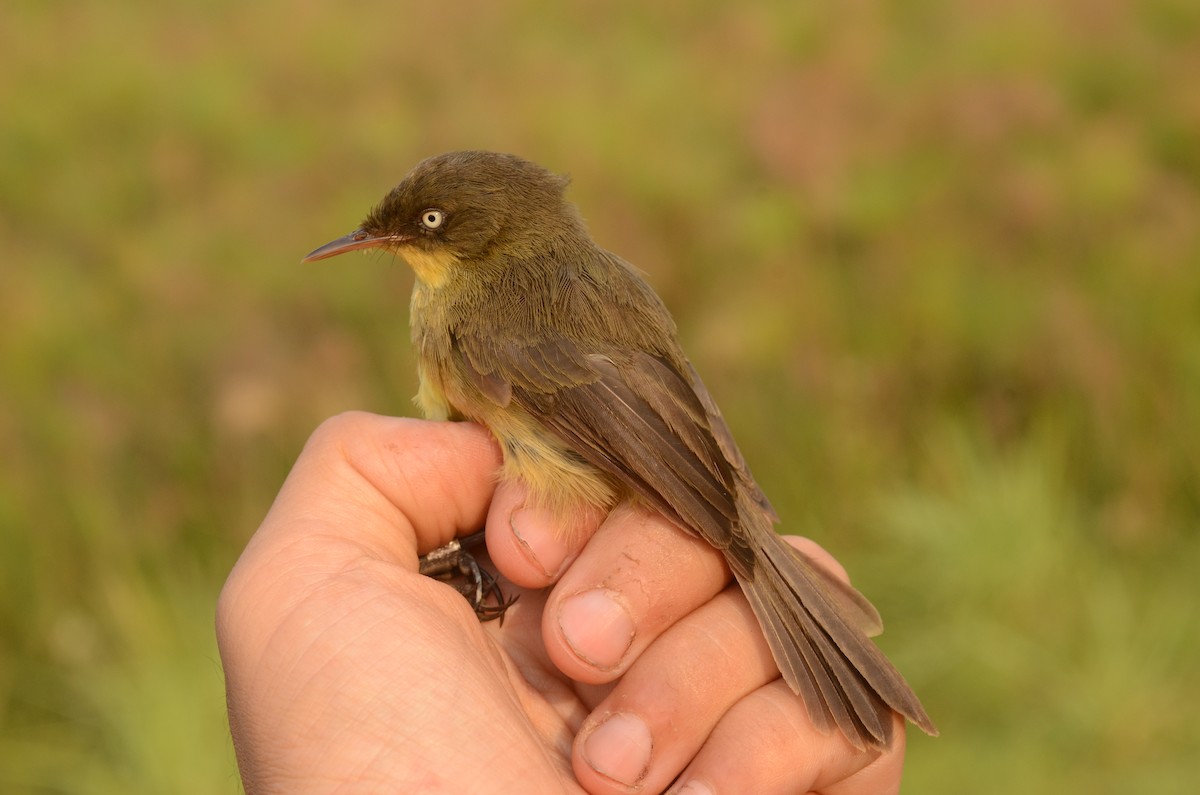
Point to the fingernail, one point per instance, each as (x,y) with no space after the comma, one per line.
(542,544)
(693,788)
(597,627)
(619,748)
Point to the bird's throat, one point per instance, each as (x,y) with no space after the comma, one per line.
(432,267)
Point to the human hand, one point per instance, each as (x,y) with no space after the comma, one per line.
(347,670)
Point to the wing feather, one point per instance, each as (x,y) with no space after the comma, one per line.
(632,414)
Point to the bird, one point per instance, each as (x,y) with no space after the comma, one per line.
(522,323)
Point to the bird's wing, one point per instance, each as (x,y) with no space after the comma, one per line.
(631,414)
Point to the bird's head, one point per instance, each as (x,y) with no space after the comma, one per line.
(464,209)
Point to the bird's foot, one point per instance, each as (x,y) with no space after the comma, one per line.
(454,564)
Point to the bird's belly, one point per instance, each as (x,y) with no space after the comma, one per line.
(558,479)
(431,394)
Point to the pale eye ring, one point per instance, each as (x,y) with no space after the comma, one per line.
(432,218)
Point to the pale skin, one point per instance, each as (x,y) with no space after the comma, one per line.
(641,669)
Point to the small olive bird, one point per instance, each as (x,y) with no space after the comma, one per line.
(523,324)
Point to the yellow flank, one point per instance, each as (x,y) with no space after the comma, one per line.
(430,398)
(558,479)
(431,267)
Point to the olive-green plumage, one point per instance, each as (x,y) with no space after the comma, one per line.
(522,323)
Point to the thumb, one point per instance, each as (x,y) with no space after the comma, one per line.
(364,487)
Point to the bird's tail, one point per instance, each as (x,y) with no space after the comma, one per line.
(818,628)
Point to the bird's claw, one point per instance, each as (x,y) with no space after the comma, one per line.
(453,564)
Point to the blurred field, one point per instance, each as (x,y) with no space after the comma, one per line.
(940,263)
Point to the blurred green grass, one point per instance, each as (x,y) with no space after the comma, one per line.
(940,263)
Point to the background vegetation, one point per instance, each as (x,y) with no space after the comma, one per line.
(940,262)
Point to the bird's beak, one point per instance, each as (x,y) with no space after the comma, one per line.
(357,239)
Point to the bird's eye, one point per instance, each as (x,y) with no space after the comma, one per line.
(432,219)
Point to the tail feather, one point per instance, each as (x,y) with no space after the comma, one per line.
(817,631)
(801,667)
(861,718)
